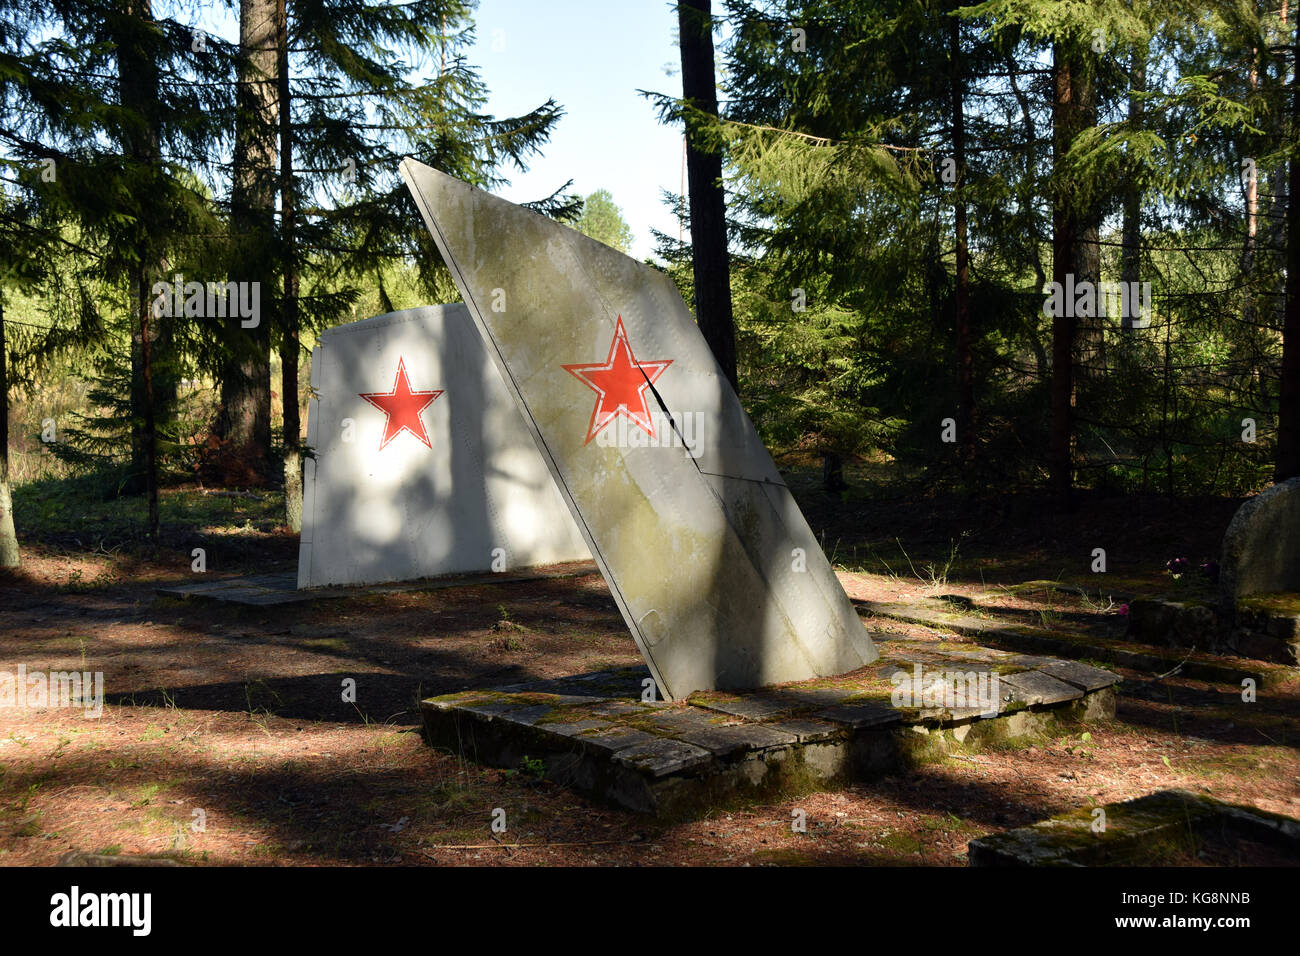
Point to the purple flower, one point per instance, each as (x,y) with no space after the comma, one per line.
(1123,609)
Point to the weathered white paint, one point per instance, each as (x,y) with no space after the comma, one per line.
(407,511)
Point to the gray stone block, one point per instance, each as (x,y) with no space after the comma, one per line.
(528,716)
(662,756)
(752,708)
(1035,687)
(990,710)
(1027,661)
(803,698)
(489,708)
(808,731)
(614,738)
(1174,623)
(862,716)
(1260,545)
(1132,827)
(1285,627)
(1263,647)
(695,727)
(573,728)
(1084,676)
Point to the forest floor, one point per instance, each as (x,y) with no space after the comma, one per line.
(231,717)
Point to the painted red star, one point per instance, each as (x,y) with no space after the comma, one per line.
(620,384)
(403,406)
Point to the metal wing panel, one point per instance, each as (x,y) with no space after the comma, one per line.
(462,490)
(697,545)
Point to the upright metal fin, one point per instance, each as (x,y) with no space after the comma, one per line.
(715,570)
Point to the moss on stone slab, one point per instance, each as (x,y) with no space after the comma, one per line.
(1285,603)
(1165,828)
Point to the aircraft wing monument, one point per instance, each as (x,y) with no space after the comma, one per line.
(422,465)
(708,557)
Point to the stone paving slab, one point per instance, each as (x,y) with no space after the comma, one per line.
(1036,687)
(1264,627)
(662,756)
(723,740)
(594,732)
(757,707)
(803,698)
(528,716)
(807,731)
(492,708)
(1082,676)
(619,739)
(1196,664)
(861,716)
(1133,832)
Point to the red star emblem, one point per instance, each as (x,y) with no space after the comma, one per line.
(403,407)
(620,384)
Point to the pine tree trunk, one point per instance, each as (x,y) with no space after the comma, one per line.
(1131,229)
(1274,226)
(1062,324)
(289,309)
(965,361)
(1288,418)
(138,84)
(1250,247)
(1090,356)
(704,175)
(1090,331)
(1074,253)
(833,473)
(244,422)
(8,536)
(150,433)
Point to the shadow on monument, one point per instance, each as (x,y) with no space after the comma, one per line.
(400,509)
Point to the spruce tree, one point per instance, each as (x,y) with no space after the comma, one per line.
(106,108)
(360,87)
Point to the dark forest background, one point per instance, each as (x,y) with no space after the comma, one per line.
(881,194)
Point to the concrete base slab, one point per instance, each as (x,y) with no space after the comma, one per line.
(1147,831)
(1214,666)
(599,734)
(1264,627)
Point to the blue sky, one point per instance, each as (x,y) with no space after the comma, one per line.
(591,57)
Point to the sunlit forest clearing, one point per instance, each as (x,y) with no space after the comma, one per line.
(1008,290)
